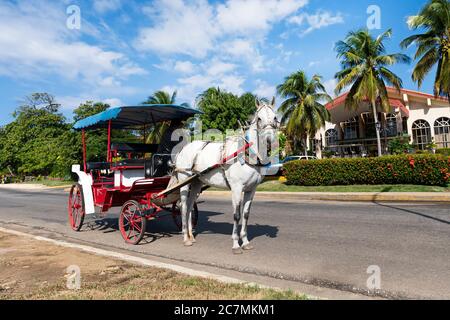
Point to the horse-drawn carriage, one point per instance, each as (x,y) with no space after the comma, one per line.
(143,185)
(133,175)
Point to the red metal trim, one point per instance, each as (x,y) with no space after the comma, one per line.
(83,139)
(108,158)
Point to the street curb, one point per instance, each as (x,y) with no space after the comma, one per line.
(437,197)
(443,197)
(143,261)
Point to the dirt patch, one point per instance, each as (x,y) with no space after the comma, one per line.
(32,269)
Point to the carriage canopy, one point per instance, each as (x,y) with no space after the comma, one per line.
(131,116)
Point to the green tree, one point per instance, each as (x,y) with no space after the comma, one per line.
(433,46)
(160,97)
(303,111)
(38,141)
(96,140)
(364,64)
(223,110)
(87,109)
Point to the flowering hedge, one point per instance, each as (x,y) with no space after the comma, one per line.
(424,169)
(444,151)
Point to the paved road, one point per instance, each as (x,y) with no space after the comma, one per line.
(328,244)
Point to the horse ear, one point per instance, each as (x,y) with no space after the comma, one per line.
(273,102)
(257,103)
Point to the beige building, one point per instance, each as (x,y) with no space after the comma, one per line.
(352,133)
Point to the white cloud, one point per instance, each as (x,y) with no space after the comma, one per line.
(103,6)
(184,67)
(330,85)
(196,27)
(39,45)
(218,67)
(179,28)
(316,21)
(246,51)
(113,102)
(244,17)
(264,90)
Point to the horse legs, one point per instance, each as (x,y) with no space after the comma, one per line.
(184,207)
(184,195)
(196,187)
(246,204)
(236,199)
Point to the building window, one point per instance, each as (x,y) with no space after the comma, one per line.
(391,125)
(313,145)
(331,138)
(351,129)
(405,125)
(421,134)
(442,132)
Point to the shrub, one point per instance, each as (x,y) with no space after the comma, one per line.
(425,169)
(444,151)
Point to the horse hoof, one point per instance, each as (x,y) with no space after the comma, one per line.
(193,240)
(188,243)
(248,247)
(237,251)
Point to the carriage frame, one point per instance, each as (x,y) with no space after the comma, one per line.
(132,183)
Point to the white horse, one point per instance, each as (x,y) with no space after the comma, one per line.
(242,175)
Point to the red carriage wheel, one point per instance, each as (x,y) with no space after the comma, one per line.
(176,215)
(132,223)
(76,207)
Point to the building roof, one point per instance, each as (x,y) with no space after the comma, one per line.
(341,99)
(397,100)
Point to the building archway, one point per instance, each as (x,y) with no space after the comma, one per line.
(421,134)
(331,138)
(442,132)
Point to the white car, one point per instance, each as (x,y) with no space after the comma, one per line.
(292,158)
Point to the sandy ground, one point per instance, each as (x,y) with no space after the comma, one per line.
(32,269)
(23,186)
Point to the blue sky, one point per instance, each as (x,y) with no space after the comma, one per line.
(125,50)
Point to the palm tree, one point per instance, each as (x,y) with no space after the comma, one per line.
(364,68)
(160,97)
(433,46)
(303,111)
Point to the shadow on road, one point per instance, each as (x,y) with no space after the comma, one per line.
(412,212)
(164,227)
(206,226)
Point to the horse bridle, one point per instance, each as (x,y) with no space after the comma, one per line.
(267,126)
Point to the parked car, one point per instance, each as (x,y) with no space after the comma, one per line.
(292,158)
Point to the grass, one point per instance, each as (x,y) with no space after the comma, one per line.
(34,269)
(278,186)
(52,183)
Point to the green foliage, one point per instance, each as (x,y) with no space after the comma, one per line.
(34,143)
(365,63)
(223,110)
(96,140)
(160,97)
(443,151)
(303,110)
(89,108)
(400,145)
(433,45)
(426,169)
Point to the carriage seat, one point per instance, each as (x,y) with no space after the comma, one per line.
(134,147)
(98,166)
(145,163)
